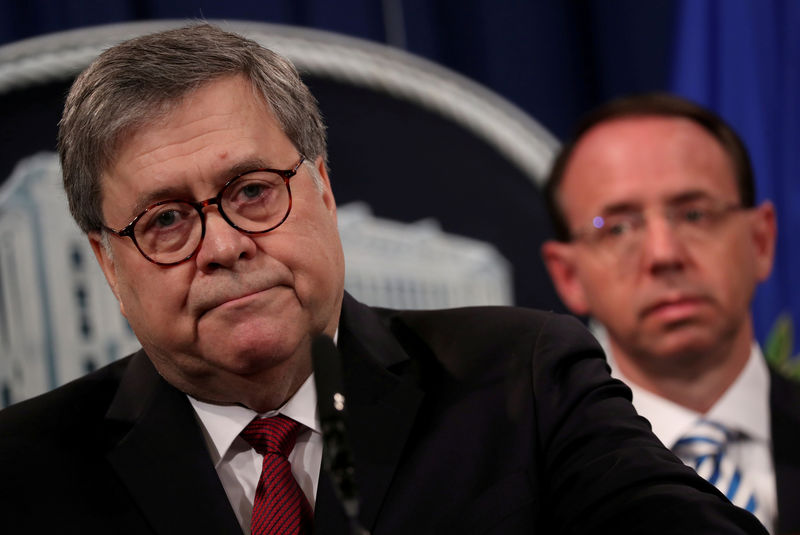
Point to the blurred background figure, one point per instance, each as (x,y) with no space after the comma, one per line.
(659,239)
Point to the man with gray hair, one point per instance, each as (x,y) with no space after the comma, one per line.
(195,161)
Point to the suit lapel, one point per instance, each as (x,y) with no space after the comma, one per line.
(785,410)
(382,403)
(162,458)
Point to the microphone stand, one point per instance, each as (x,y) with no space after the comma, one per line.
(337,458)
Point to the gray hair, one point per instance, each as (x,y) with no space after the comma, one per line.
(137,81)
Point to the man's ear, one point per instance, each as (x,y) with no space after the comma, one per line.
(327,191)
(559,258)
(103,256)
(764,236)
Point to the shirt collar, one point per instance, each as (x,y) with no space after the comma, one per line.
(221,424)
(744,406)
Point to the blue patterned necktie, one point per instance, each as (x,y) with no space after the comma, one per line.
(704,448)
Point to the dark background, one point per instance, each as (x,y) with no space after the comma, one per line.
(553,58)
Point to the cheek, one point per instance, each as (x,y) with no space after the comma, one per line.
(611,297)
(735,284)
(611,302)
(606,283)
(312,246)
(731,271)
(317,265)
(153,297)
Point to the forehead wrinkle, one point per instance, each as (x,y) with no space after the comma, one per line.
(183,123)
(193,153)
(190,147)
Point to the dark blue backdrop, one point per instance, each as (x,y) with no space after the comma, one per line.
(553,58)
(558,58)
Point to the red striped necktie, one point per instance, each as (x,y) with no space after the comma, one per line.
(280,507)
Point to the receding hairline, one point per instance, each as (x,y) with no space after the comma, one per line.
(649,105)
(596,133)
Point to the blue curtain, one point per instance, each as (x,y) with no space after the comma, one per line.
(742,59)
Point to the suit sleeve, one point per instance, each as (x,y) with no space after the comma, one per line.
(604,471)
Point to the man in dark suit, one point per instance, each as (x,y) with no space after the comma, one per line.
(492,420)
(660,241)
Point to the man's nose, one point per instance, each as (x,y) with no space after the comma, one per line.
(222,245)
(662,247)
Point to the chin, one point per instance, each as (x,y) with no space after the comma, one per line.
(685,348)
(248,359)
(260,338)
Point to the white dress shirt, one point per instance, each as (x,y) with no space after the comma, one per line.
(239,466)
(743,407)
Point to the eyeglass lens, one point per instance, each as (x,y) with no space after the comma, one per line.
(255,202)
(624,233)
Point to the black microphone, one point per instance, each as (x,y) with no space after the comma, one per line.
(337,458)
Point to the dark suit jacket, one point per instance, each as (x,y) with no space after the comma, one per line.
(785,408)
(491,420)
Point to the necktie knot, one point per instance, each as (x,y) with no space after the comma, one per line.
(275,435)
(704,448)
(705,438)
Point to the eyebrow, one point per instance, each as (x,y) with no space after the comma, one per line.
(181,191)
(633,206)
(620,207)
(689,196)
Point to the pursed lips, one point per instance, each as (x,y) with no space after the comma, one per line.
(211,302)
(680,301)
